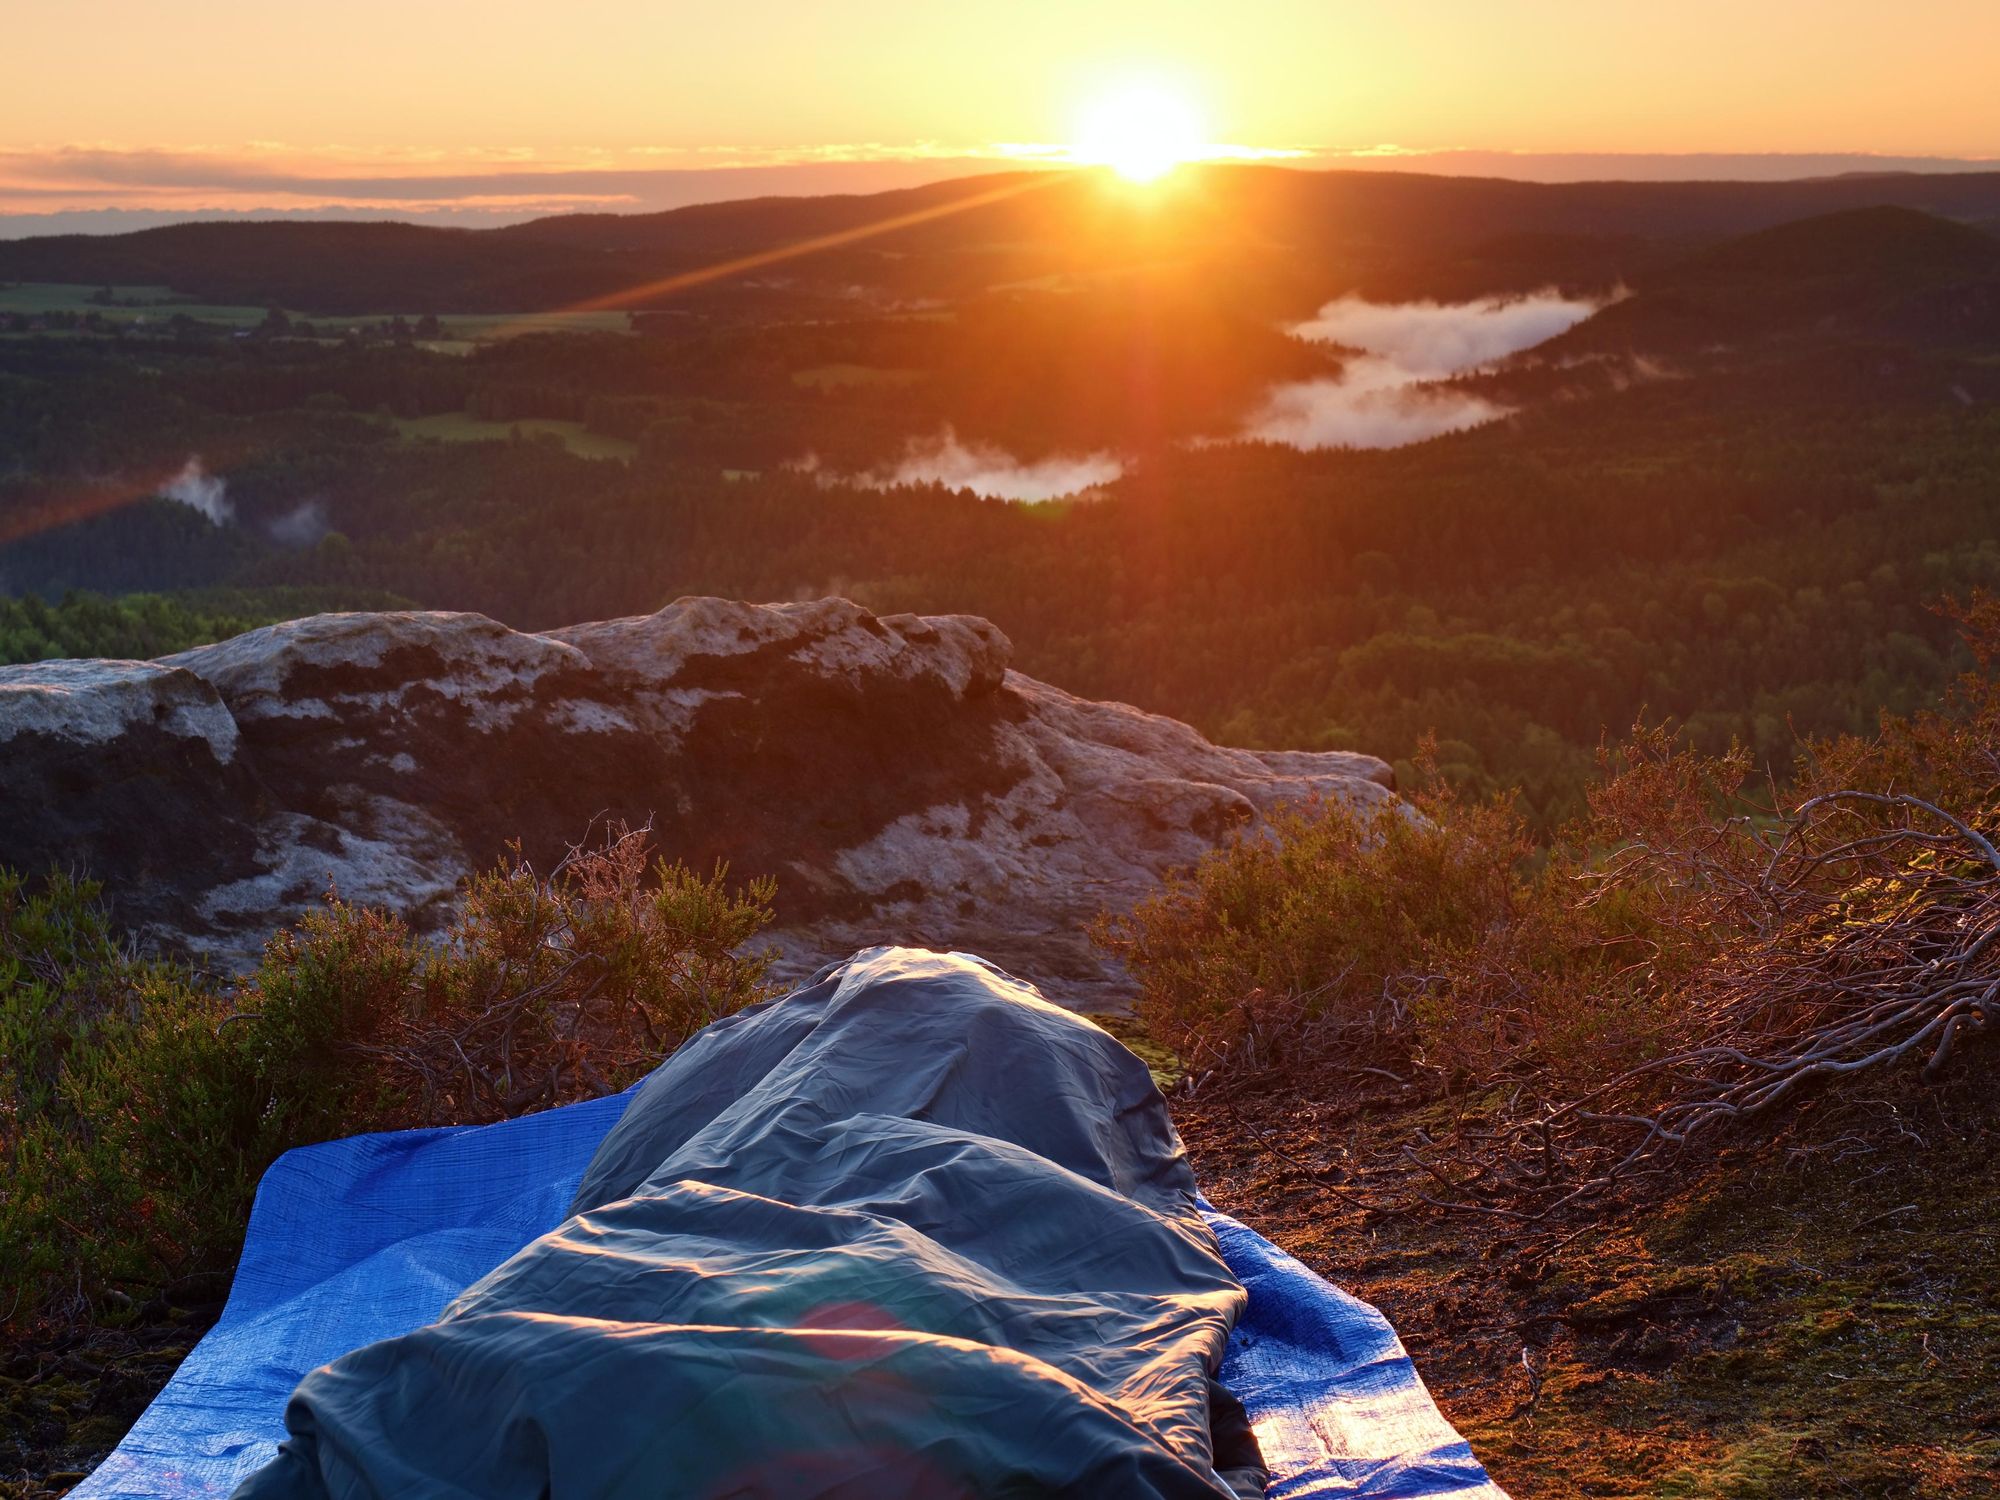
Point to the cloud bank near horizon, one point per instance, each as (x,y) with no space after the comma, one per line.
(75,189)
(112,191)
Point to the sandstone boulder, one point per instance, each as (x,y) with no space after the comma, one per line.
(900,781)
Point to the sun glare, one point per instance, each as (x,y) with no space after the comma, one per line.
(1141,130)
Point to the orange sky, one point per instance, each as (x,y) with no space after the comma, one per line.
(230,103)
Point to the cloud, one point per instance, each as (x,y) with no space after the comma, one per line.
(20,226)
(1382,397)
(1633,166)
(35,185)
(1352,411)
(996,474)
(984,469)
(1430,340)
(200,490)
(301,526)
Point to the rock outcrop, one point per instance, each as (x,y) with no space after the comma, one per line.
(897,778)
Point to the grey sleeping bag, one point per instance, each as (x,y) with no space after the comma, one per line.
(910,1233)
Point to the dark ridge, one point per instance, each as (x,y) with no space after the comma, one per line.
(1877,273)
(1334,228)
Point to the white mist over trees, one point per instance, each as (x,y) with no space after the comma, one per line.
(200,490)
(985,469)
(1380,398)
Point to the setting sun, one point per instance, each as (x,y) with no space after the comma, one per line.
(1141,130)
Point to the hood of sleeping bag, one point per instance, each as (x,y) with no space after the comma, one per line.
(909,1232)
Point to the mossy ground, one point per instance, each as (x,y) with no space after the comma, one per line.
(1818,1316)
(65,1403)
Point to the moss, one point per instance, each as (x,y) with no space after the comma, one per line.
(1644,1289)
(66,1402)
(98,1433)
(1167,1069)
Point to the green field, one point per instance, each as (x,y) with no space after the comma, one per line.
(457,427)
(141,305)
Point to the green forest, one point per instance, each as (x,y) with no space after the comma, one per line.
(1754,560)
(1745,540)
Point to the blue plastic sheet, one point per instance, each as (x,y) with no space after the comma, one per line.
(362,1239)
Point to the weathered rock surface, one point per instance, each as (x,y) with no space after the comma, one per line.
(109,764)
(902,783)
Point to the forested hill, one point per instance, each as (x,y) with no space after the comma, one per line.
(1734,509)
(1393,233)
(1885,272)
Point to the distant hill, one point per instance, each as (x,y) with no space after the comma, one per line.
(1289,235)
(1883,272)
(1886,243)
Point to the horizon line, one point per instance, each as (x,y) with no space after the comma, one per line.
(507,196)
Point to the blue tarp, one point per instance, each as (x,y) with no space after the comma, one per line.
(369,1238)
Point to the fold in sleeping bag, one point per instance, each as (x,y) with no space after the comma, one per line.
(911,1233)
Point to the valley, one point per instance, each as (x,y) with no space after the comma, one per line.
(1692,497)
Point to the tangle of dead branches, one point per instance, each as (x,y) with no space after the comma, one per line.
(1854,935)
(1696,959)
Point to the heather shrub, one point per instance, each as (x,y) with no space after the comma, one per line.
(136,1108)
(141,1099)
(1332,915)
(554,987)
(1702,946)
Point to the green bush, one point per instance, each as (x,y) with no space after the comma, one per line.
(140,1100)
(135,1111)
(547,988)
(1335,910)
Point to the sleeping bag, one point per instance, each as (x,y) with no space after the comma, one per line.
(910,1233)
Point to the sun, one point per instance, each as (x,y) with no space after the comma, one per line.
(1142,130)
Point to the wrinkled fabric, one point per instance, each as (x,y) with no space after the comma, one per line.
(364,1239)
(910,1232)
